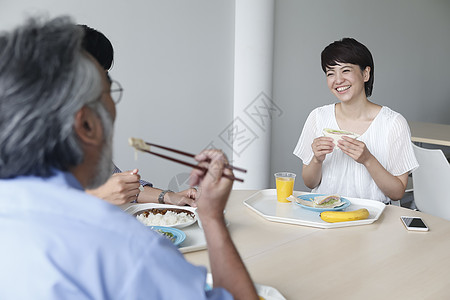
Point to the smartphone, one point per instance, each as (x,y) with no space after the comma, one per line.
(414,223)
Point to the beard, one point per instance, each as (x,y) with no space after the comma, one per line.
(104,167)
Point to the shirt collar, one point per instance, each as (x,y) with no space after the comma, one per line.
(67,178)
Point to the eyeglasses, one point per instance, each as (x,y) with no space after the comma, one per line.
(116,91)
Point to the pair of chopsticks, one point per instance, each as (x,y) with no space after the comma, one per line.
(140,145)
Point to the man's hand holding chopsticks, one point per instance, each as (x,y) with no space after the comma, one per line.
(213,188)
(227,268)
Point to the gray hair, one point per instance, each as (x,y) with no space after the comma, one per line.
(45,78)
(104,166)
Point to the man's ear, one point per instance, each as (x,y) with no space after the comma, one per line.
(88,126)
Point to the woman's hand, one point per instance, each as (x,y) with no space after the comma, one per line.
(392,186)
(120,188)
(355,149)
(186,197)
(322,146)
(312,173)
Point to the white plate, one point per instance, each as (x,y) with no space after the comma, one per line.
(134,209)
(265,291)
(195,238)
(265,204)
(268,292)
(310,197)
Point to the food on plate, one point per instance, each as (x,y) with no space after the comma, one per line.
(175,235)
(321,201)
(336,135)
(167,234)
(327,199)
(344,216)
(165,216)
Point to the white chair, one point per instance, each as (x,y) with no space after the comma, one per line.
(431,182)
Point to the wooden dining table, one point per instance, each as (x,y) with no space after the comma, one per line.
(430,133)
(381,260)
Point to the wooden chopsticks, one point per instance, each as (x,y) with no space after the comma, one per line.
(140,145)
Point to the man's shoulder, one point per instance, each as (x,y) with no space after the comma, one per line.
(55,202)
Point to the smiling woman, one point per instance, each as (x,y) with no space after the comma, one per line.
(342,77)
(349,55)
(372,163)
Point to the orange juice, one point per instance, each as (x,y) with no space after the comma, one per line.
(285,188)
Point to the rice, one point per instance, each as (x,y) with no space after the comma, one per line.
(167,219)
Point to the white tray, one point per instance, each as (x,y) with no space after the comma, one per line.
(265,204)
(195,238)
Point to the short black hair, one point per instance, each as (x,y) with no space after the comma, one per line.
(99,46)
(349,50)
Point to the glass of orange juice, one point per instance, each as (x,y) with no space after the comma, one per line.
(285,185)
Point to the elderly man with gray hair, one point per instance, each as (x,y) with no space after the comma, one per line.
(58,242)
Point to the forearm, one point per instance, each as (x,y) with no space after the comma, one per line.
(149,195)
(227,268)
(312,173)
(392,186)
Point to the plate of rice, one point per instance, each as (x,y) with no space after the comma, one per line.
(168,216)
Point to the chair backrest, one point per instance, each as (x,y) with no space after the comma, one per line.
(431,182)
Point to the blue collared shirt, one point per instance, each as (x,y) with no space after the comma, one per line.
(57,242)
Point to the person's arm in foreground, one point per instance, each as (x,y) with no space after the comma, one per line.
(392,186)
(227,268)
(122,188)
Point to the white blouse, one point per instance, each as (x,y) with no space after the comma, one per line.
(388,138)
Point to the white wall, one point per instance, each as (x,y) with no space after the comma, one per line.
(174,59)
(409,40)
(253,63)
